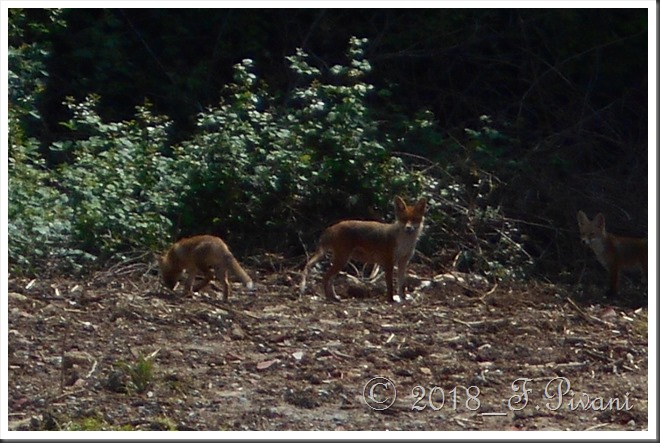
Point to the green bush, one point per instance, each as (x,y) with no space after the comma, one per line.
(39,225)
(119,183)
(264,172)
(256,165)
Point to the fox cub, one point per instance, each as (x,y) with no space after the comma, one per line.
(202,254)
(371,242)
(616,254)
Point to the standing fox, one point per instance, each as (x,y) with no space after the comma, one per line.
(201,254)
(371,242)
(616,254)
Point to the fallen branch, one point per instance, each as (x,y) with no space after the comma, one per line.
(490,291)
(66,394)
(462,322)
(589,318)
(483,323)
(456,279)
(225,307)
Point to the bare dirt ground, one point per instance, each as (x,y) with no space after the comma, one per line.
(79,354)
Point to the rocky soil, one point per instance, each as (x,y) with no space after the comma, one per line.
(118,352)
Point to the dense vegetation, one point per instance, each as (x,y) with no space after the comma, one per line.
(130,128)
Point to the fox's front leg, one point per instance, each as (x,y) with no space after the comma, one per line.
(188,285)
(389,277)
(208,276)
(614,282)
(401,270)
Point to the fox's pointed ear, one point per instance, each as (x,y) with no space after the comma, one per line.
(420,206)
(582,218)
(399,204)
(599,221)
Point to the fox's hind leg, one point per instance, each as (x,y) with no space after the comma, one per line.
(223,276)
(338,263)
(312,261)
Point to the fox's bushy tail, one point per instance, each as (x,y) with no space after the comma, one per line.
(236,269)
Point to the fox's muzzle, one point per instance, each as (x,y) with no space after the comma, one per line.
(410,228)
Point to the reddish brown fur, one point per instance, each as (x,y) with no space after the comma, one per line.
(202,254)
(371,242)
(615,253)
